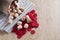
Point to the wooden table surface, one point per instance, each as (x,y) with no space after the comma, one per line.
(49,22)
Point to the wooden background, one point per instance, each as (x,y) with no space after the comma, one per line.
(49,21)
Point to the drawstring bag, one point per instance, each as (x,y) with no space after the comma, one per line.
(22,18)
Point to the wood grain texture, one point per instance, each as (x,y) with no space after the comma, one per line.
(49,20)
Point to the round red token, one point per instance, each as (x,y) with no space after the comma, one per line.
(32,31)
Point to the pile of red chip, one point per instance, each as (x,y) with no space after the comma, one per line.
(32,24)
(25,24)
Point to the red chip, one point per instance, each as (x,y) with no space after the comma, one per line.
(33,32)
(32,15)
(20,33)
(24,31)
(34,24)
(19,36)
(35,15)
(29,28)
